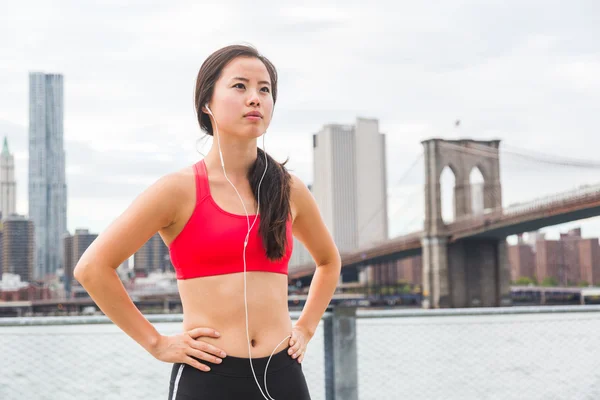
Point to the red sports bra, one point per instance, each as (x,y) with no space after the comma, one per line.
(212,241)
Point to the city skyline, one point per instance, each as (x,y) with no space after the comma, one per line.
(532,86)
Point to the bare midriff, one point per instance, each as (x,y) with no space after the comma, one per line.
(217,302)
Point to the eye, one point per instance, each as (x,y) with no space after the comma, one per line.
(239,84)
(267,89)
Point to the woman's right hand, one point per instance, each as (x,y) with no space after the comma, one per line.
(181,347)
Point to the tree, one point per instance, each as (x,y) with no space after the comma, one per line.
(550,281)
(524,280)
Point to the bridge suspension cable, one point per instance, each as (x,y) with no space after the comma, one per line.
(403,177)
(484,151)
(552,159)
(481,150)
(538,158)
(411,198)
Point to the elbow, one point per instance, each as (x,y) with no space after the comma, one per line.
(334,263)
(337,260)
(80,272)
(338,264)
(85,272)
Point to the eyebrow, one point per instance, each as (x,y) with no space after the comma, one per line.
(239,78)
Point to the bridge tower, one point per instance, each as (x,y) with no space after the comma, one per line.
(469,272)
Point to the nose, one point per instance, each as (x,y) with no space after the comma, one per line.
(253,99)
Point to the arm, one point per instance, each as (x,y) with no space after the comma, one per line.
(151,211)
(310,229)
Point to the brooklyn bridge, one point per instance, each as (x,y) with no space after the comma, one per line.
(465,261)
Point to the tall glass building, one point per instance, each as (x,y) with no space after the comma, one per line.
(47,184)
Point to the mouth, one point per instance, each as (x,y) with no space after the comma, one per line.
(253,114)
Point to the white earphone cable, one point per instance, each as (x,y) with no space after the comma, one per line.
(244,254)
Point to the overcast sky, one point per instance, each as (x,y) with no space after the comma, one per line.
(525,72)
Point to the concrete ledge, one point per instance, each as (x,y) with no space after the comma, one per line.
(99,319)
(443,312)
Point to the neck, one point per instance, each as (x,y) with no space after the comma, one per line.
(238,158)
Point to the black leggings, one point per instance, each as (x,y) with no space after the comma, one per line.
(233,380)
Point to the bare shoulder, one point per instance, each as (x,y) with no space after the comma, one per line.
(172,190)
(181,182)
(156,209)
(181,188)
(161,197)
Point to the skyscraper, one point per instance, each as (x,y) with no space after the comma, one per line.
(350,182)
(47,185)
(8,186)
(17,246)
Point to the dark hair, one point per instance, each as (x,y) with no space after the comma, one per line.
(275,188)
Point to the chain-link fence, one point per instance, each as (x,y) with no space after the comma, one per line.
(532,353)
(83,358)
(510,353)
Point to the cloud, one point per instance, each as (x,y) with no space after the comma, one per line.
(524,72)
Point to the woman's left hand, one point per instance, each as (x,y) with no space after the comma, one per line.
(298,342)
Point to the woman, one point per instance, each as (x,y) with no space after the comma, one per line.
(231,265)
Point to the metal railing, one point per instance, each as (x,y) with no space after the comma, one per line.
(477,353)
(515,211)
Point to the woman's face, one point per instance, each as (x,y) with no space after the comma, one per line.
(243,87)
